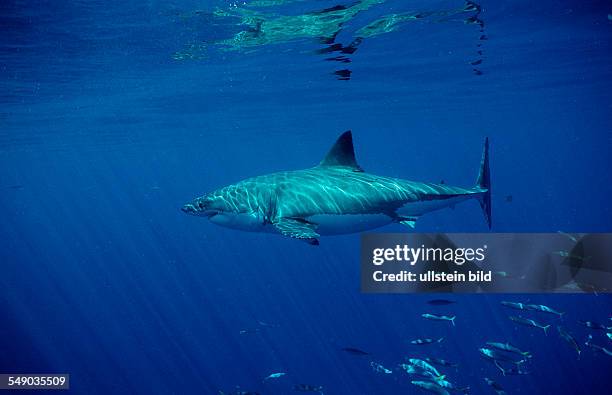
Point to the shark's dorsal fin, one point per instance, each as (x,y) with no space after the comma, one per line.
(342,153)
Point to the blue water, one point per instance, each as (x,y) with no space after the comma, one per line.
(104,135)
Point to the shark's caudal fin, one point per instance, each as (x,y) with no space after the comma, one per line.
(342,153)
(483,183)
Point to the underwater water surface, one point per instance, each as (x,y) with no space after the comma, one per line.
(114,114)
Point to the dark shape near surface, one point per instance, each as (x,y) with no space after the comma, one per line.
(473,20)
(471,6)
(337,47)
(355,351)
(440,302)
(330,9)
(341,59)
(352,47)
(328,40)
(343,75)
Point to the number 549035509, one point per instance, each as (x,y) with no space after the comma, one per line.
(52,381)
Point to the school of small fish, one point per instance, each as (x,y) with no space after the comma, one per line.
(511,360)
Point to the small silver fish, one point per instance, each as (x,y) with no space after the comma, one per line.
(509,348)
(530,322)
(416,371)
(515,305)
(497,356)
(424,366)
(567,254)
(545,309)
(595,325)
(572,238)
(448,385)
(496,387)
(569,338)
(378,368)
(513,370)
(441,362)
(430,386)
(597,347)
(274,376)
(436,317)
(426,341)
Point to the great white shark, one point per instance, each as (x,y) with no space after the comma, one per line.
(334,197)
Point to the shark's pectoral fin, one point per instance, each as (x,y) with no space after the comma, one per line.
(407,221)
(298,228)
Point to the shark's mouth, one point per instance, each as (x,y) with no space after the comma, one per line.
(210,213)
(194,210)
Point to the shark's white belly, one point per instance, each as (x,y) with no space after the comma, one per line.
(327,224)
(248,222)
(420,207)
(332,224)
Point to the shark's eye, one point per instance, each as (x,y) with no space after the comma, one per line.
(201,205)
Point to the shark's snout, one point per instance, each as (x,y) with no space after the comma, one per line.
(189,209)
(200,209)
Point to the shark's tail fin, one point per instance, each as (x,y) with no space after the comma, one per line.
(483,183)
